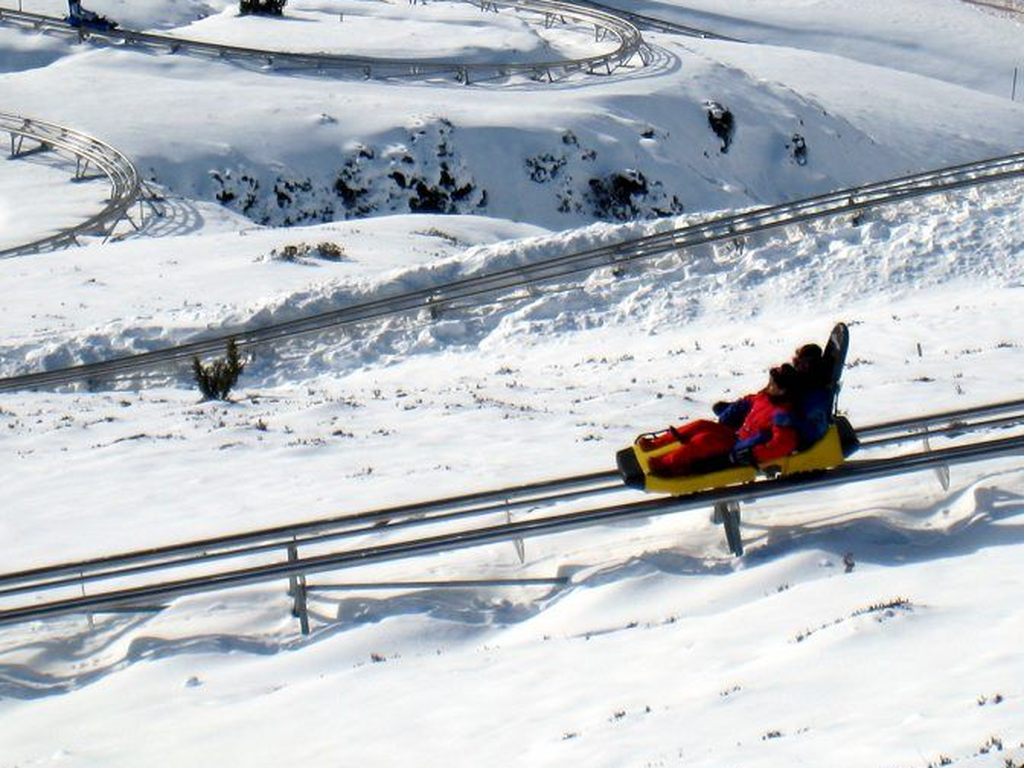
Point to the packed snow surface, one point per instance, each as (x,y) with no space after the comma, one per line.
(868,625)
(39,197)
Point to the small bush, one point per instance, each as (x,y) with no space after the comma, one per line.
(330,251)
(722,123)
(301,253)
(289,252)
(216,380)
(262,7)
(440,234)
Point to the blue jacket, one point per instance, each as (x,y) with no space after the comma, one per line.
(812,417)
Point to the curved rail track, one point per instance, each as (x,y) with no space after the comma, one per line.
(482,289)
(89,152)
(659,25)
(607,25)
(126,579)
(90,155)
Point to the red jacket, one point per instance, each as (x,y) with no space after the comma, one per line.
(768,427)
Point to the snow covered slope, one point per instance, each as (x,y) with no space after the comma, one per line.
(285,149)
(875,625)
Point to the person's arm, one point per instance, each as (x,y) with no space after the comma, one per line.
(733,414)
(782,442)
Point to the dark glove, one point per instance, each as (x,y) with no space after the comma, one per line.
(742,453)
(720,406)
(742,456)
(734,413)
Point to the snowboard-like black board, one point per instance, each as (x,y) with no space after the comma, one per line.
(835,355)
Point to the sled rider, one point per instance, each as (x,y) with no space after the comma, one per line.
(752,430)
(813,401)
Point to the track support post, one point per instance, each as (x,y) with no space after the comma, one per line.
(727,514)
(297,591)
(88,614)
(520,545)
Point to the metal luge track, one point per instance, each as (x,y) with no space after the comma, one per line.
(659,25)
(300,567)
(324,530)
(946,423)
(131,568)
(90,156)
(629,44)
(481,289)
(543,493)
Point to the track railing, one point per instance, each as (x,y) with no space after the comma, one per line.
(628,44)
(660,25)
(90,156)
(481,289)
(125,575)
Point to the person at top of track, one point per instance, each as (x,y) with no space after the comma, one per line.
(752,430)
(77,16)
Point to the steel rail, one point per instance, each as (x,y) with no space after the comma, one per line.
(660,25)
(86,151)
(477,288)
(854,471)
(318,532)
(954,429)
(630,45)
(310,532)
(961,414)
(1017,9)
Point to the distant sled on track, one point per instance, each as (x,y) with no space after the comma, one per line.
(83,18)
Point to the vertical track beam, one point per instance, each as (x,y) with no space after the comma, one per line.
(518,542)
(297,590)
(727,513)
(942,470)
(88,615)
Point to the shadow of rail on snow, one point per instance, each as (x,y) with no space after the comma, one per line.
(889,537)
(60,655)
(63,654)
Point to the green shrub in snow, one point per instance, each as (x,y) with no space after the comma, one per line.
(216,380)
